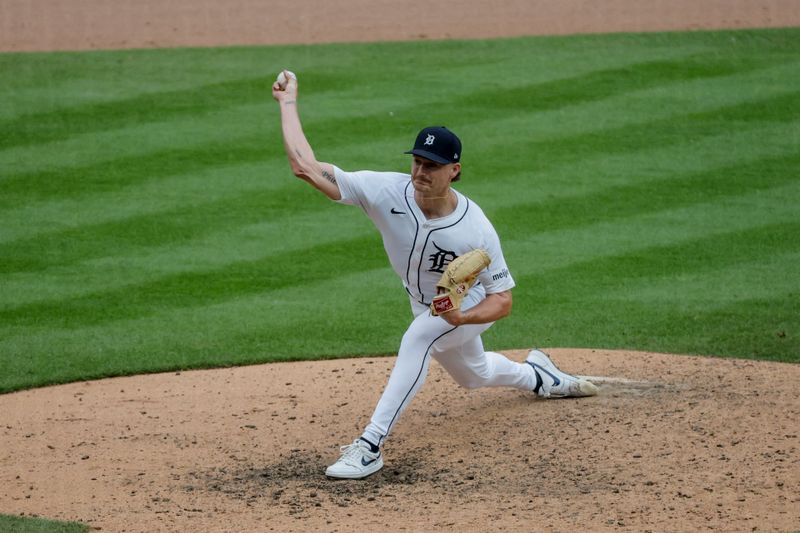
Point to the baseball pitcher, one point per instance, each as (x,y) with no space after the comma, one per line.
(449,258)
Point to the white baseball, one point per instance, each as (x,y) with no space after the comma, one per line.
(283,79)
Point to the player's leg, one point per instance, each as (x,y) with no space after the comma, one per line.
(472,367)
(408,375)
(464,358)
(363,457)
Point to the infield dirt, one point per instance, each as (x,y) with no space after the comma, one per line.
(671,443)
(88,24)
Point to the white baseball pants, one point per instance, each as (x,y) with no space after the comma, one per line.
(458,349)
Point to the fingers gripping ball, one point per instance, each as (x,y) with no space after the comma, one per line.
(283,79)
(459,276)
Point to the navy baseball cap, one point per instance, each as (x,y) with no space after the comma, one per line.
(439,144)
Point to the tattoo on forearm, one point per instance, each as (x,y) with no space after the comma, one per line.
(299,155)
(289,102)
(328,176)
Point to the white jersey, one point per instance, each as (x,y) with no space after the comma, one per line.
(420,249)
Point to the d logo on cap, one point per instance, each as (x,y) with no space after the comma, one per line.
(438,144)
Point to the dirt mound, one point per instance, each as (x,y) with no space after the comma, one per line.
(671,442)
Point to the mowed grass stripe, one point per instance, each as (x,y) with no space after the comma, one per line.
(589,298)
(458,106)
(531,249)
(768,333)
(605,83)
(159,106)
(261,324)
(104,176)
(111,176)
(570,212)
(166,227)
(64,81)
(624,107)
(274,326)
(544,154)
(56,247)
(607,274)
(41,83)
(164,105)
(67,72)
(470,106)
(646,197)
(557,292)
(114,175)
(165,195)
(542,214)
(617,151)
(618,204)
(108,174)
(240,122)
(633,170)
(168,232)
(191,289)
(772,274)
(213,251)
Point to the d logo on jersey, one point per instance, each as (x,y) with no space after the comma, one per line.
(440,259)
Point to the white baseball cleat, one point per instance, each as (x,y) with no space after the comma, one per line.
(553,383)
(357,461)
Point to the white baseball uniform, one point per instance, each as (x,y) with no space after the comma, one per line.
(419,250)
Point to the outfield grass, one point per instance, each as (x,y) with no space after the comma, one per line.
(19,524)
(645,187)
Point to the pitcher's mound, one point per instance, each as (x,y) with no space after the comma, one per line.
(670,443)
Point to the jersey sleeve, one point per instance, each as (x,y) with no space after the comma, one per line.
(364,187)
(497,277)
(353,186)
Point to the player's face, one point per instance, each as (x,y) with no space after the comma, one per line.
(432,177)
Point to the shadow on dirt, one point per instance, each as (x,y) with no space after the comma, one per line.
(299,480)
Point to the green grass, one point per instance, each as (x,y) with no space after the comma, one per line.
(18,524)
(645,188)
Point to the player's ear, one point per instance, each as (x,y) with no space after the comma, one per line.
(455,172)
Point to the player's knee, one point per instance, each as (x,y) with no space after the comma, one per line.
(472,382)
(475,379)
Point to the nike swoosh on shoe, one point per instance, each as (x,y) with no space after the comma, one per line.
(556,381)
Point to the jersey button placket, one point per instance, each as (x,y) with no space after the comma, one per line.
(415,264)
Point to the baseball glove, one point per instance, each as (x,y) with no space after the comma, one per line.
(457,279)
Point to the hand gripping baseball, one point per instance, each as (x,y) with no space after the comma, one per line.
(285,86)
(459,276)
